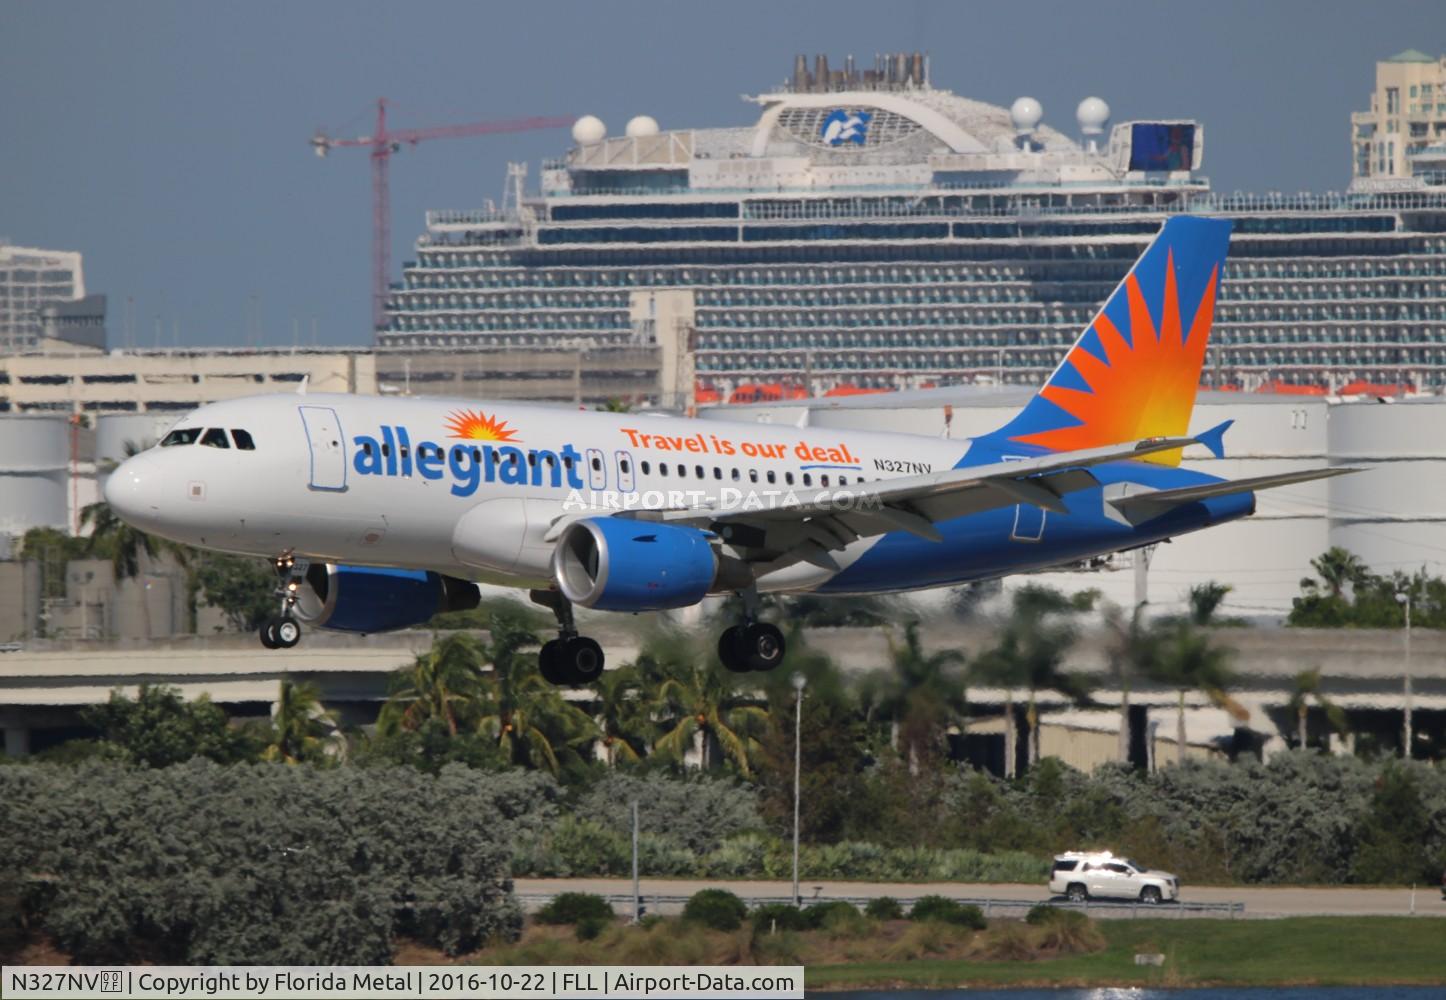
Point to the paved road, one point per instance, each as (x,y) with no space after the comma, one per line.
(1285,901)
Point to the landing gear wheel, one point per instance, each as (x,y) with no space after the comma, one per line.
(286,631)
(267,633)
(549,661)
(582,659)
(571,661)
(731,651)
(762,646)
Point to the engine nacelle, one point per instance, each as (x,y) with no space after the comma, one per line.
(620,564)
(377,599)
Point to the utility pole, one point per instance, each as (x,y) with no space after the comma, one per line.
(637,897)
(798,683)
(1404,597)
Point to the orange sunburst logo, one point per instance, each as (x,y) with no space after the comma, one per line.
(473,425)
(1145,386)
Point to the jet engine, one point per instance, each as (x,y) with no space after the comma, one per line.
(621,564)
(377,599)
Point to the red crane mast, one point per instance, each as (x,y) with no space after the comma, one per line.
(382,144)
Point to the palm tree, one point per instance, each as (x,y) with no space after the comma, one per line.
(921,693)
(1134,652)
(529,717)
(126,547)
(1030,654)
(622,717)
(1337,569)
(1191,661)
(522,711)
(301,727)
(1308,689)
(443,683)
(694,697)
(1205,599)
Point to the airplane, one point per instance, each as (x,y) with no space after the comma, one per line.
(379,512)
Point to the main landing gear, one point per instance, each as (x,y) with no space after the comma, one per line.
(283,631)
(570,659)
(751,645)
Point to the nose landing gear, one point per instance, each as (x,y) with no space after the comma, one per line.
(570,659)
(283,631)
(751,645)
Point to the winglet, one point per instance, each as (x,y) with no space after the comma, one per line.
(1214,438)
(301,386)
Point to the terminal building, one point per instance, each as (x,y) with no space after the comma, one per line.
(869,229)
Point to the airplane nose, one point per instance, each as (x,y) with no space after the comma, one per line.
(133,491)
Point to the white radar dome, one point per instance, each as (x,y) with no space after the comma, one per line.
(642,125)
(1092,114)
(588,129)
(1025,113)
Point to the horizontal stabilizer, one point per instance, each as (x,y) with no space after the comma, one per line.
(1138,507)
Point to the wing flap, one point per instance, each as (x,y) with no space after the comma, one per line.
(1138,507)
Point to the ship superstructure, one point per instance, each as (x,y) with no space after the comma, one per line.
(869,229)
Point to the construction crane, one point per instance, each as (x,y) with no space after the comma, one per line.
(383,144)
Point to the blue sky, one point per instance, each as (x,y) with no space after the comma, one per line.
(168,141)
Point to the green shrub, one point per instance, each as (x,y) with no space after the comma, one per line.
(1041,914)
(574,907)
(696,813)
(590,927)
(940,909)
(718,909)
(200,864)
(778,916)
(820,914)
(883,908)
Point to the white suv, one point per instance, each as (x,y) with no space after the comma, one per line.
(1099,874)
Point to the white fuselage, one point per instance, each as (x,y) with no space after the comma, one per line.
(472,490)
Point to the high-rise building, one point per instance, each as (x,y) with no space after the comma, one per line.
(1403,136)
(30,280)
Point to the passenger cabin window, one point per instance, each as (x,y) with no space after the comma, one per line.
(243,439)
(647,467)
(215,438)
(788,478)
(808,479)
(772,476)
(181,435)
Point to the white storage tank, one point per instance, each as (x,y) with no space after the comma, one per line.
(34,471)
(1393,514)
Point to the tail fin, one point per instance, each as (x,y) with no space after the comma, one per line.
(1134,370)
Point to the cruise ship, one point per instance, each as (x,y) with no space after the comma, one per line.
(872,231)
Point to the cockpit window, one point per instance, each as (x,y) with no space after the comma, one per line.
(243,439)
(181,435)
(215,438)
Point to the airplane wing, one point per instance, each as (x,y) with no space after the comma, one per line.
(788,526)
(1136,505)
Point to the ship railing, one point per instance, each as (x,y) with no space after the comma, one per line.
(470,217)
